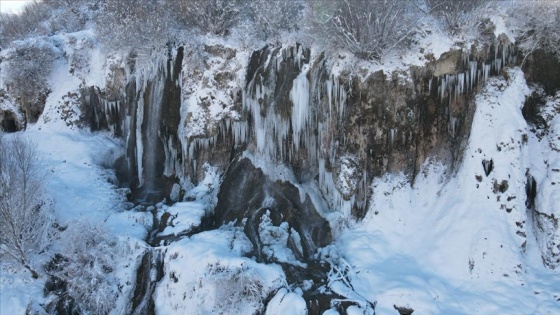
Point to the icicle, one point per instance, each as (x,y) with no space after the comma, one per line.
(452,126)
(139,144)
(430,86)
(299,95)
(486,71)
(443,87)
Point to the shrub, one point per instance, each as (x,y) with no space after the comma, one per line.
(129,24)
(453,13)
(216,17)
(86,265)
(367,28)
(27,72)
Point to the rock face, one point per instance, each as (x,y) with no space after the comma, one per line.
(334,129)
(146,114)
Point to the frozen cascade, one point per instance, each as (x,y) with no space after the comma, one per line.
(150,82)
(331,193)
(139,143)
(453,126)
(152,130)
(300,110)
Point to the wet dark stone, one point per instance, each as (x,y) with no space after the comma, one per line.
(242,196)
(532,110)
(64,306)
(488,166)
(531,191)
(404,310)
(544,69)
(8,123)
(142,300)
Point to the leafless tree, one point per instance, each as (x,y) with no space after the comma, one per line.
(129,24)
(25,215)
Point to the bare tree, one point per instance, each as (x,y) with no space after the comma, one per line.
(129,24)
(25,216)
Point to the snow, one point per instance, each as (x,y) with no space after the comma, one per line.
(184,217)
(17,289)
(285,302)
(275,241)
(452,243)
(207,274)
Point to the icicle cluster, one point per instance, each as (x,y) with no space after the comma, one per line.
(451,87)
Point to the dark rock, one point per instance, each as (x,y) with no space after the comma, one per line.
(544,69)
(500,187)
(242,196)
(531,191)
(404,310)
(142,299)
(488,166)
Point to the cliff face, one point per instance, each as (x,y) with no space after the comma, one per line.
(333,128)
(299,137)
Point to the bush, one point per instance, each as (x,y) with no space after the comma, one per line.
(367,28)
(272,17)
(215,17)
(128,24)
(453,13)
(86,265)
(234,288)
(27,72)
(25,215)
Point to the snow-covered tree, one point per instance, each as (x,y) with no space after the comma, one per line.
(25,213)
(542,25)
(30,21)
